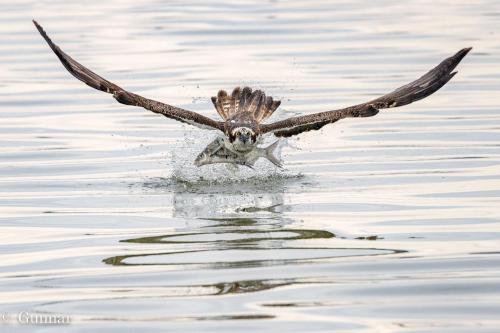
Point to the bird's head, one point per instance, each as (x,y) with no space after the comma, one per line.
(242,138)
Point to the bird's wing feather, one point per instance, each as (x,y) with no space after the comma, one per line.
(121,95)
(414,91)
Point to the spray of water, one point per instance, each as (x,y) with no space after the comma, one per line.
(194,141)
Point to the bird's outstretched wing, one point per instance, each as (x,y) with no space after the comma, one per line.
(414,91)
(123,96)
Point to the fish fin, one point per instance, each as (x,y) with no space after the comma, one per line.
(271,157)
(248,165)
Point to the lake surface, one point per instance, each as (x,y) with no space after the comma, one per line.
(384,224)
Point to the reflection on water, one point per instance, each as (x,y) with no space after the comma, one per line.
(211,199)
(388,224)
(237,243)
(237,236)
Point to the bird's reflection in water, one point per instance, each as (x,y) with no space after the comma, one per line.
(244,228)
(225,197)
(205,200)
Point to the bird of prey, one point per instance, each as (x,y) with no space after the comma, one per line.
(244,111)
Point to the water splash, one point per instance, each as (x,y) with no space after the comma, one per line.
(194,141)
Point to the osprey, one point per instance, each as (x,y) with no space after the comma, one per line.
(244,111)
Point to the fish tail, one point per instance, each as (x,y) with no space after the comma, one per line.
(271,157)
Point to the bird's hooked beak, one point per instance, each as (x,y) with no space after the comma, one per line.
(244,138)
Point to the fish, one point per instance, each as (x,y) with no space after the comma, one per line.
(218,152)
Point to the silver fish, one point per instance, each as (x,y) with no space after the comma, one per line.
(217,152)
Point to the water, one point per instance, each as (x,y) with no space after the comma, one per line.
(387,224)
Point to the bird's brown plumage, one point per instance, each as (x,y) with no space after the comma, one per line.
(125,97)
(254,103)
(414,91)
(247,108)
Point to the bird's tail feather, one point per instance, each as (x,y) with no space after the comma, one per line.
(245,101)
